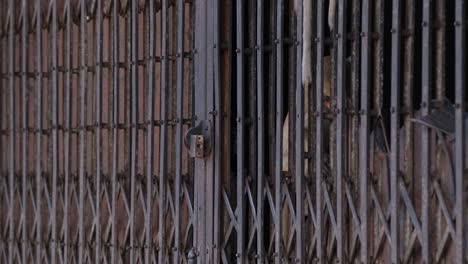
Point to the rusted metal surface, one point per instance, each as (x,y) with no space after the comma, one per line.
(87,157)
(325,133)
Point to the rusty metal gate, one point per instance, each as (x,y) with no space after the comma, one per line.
(196,131)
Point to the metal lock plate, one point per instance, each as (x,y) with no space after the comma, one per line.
(198,140)
(197,146)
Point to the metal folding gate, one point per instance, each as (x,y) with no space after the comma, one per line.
(196,131)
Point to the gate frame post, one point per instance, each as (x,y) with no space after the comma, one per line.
(205,69)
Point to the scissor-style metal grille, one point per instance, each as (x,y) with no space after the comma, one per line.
(196,131)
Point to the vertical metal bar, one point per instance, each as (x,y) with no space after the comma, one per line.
(210,166)
(240,149)
(319,120)
(379,17)
(260,132)
(149,134)
(440,60)
(199,104)
(408,87)
(395,120)
(115,121)
(340,126)
(309,22)
(68,69)
(364,127)
(163,137)
(24,87)
(180,93)
(218,155)
(279,127)
(38,217)
(54,115)
(11,113)
(425,148)
(98,126)
(133,120)
(460,132)
(300,246)
(352,144)
(180,102)
(81,150)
